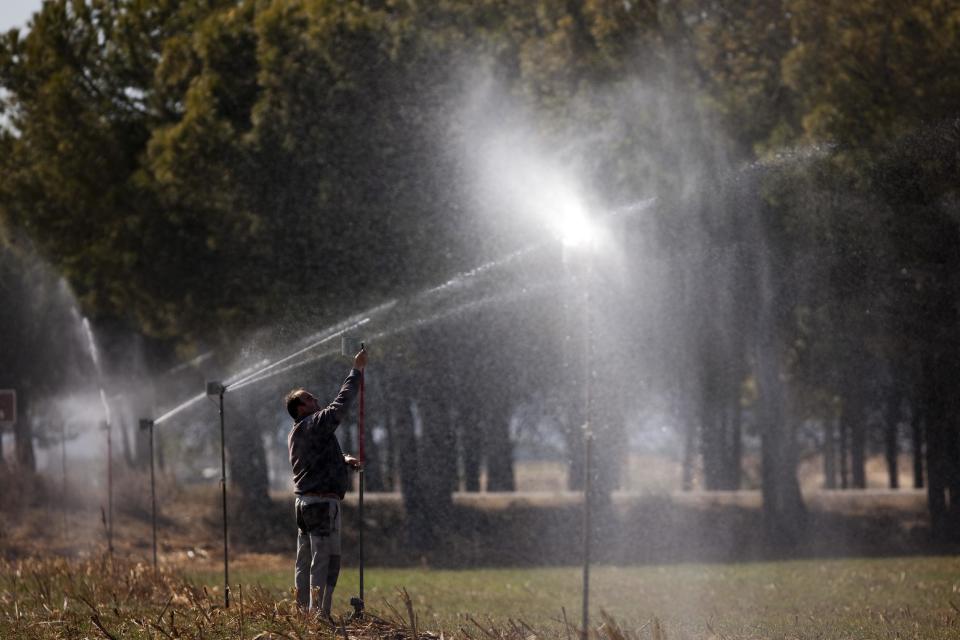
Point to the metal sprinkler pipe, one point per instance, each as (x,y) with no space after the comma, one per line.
(587,525)
(218,389)
(63,476)
(357,602)
(363,458)
(148,424)
(106,426)
(587,451)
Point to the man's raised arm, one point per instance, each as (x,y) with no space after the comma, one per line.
(330,417)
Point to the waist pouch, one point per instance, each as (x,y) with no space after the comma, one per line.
(316,518)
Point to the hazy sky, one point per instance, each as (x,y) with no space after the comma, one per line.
(15,13)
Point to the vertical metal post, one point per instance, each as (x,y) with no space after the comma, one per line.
(109,487)
(63,472)
(587,491)
(361,450)
(148,424)
(587,524)
(153,499)
(223,486)
(357,602)
(587,453)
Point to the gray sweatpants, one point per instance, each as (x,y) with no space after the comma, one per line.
(318,557)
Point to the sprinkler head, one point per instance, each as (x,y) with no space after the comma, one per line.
(145,423)
(357,605)
(350,346)
(215,389)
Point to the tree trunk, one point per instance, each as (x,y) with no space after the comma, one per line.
(858,443)
(891,440)
(471,447)
(573,436)
(710,421)
(844,454)
(246,455)
(158,444)
(428,489)
(784,513)
(689,444)
(829,455)
(916,442)
(608,455)
(609,444)
(419,532)
(720,425)
(390,459)
(952,471)
(711,450)
(735,459)
(128,457)
(943,479)
(23,454)
(498,451)
(439,478)
(373,466)
(936,482)
(23,436)
(142,445)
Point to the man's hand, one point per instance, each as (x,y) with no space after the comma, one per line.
(352,462)
(360,360)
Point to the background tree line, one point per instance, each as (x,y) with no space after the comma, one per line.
(200,170)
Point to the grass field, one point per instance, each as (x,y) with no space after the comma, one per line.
(872,598)
(877,598)
(909,588)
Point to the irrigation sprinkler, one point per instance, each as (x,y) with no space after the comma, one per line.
(348,347)
(218,389)
(109,517)
(63,474)
(571,242)
(587,491)
(148,424)
(588,458)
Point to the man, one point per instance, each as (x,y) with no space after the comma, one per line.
(320,479)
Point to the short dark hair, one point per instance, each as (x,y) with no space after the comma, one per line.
(293,400)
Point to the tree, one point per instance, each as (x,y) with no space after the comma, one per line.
(41,349)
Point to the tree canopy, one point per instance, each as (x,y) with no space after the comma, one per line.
(201,169)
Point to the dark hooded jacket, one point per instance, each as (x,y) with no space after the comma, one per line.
(315,453)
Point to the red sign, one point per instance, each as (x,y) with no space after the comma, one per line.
(8,406)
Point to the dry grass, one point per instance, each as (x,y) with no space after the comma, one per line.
(113,599)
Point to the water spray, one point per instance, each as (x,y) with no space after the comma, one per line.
(106,424)
(260,373)
(218,389)
(266,369)
(148,424)
(183,406)
(386,333)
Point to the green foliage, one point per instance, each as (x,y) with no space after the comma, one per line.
(200,169)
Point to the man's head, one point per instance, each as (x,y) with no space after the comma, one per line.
(301,402)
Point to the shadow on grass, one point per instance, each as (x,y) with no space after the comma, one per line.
(644,530)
